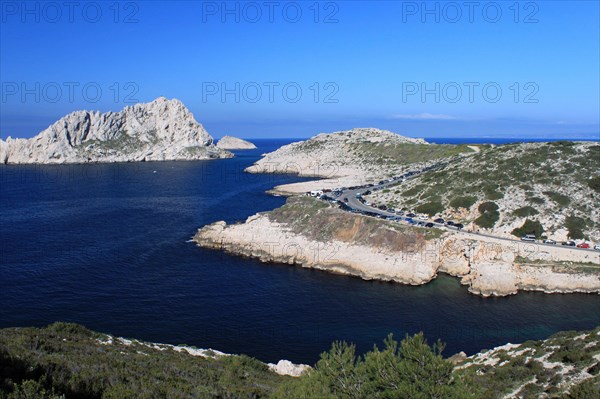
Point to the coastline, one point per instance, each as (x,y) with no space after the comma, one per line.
(488,266)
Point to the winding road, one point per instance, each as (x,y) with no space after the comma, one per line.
(348,196)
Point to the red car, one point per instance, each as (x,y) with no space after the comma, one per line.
(584,245)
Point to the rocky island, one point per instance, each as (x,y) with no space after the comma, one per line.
(486,255)
(160,130)
(233,143)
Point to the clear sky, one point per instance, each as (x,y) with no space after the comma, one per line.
(294,69)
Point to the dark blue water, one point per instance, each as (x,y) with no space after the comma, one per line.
(106,246)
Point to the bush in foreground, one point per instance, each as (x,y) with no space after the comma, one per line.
(411,369)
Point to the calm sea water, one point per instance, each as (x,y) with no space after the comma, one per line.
(107,246)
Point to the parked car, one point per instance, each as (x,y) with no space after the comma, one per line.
(459,226)
(429,225)
(584,245)
(569,243)
(382,207)
(420,223)
(597,247)
(409,220)
(439,220)
(549,241)
(411,215)
(345,199)
(423,217)
(449,223)
(528,237)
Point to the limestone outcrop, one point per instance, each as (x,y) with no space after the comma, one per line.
(156,131)
(233,143)
(364,247)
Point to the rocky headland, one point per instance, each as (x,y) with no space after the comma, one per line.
(160,130)
(351,157)
(233,143)
(313,234)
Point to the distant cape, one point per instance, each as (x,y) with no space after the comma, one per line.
(233,143)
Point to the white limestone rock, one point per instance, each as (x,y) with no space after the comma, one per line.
(285,367)
(156,131)
(233,143)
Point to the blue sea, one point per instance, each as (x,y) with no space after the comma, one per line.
(108,246)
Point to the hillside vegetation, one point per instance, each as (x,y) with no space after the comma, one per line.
(363,152)
(548,189)
(69,361)
(323,222)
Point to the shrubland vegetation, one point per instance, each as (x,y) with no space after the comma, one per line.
(66,360)
(549,183)
(320,221)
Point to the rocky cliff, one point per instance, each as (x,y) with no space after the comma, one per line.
(233,143)
(311,234)
(159,130)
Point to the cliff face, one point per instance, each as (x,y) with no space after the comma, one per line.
(339,242)
(159,130)
(233,143)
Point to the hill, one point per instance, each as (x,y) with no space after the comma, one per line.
(553,189)
(156,131)
(67,360)
(352,157)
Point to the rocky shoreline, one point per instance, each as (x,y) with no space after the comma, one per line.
(489,267)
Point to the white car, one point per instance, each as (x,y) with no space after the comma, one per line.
(549,241)
(597,247)
(423,217)
(529,238)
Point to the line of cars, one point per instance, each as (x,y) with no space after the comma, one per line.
(409,217)
(400,178)
(570,243)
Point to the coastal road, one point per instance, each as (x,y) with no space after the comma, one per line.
(348,196)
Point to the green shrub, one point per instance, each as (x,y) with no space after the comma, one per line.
(414,191)
(525,211)
(529,227)
(594,183)
(409,369)
(489,215)
(430,208)
(560,199)
(491,192)
(584,390)
(463,202)
(576,226)
(536,200)
(487,207)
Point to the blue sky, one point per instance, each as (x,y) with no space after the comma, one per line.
(419,69)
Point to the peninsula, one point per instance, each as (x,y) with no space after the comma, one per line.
(393,208)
